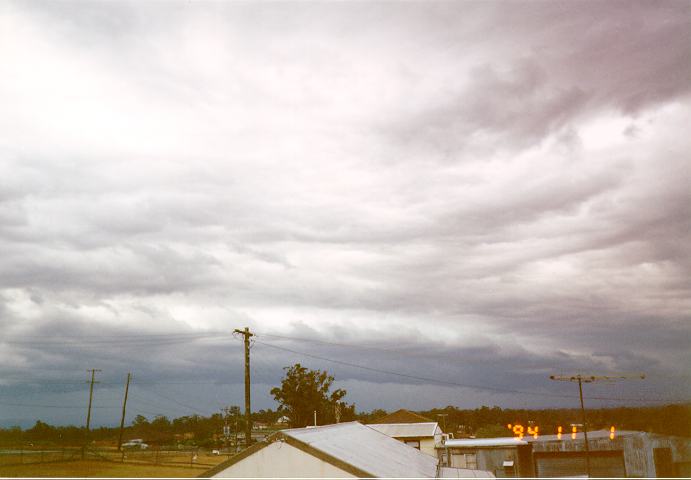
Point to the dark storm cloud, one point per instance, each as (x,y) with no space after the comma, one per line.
(489,191)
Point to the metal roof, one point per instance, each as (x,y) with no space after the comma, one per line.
(592,435)
(450,472)
(403,430)
(485,442)
(367,449)
(514,441)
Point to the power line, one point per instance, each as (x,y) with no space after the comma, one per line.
(133,335)
(114,342)
(193,409)
(444,382)
(54,406)
(336,344)
(136,399)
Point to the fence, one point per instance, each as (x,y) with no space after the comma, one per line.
(154,456)
(19,456)
(181,458)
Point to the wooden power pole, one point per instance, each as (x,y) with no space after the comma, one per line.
(248,409)
(124,408)
(88,412)
(581,379)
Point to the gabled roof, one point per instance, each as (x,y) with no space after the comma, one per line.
(352,447)
(408,430)
(402,416)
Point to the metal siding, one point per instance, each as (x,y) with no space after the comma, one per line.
(610,465)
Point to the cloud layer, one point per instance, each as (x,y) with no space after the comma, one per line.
(482,193)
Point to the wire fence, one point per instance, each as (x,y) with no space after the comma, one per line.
(194,458)
(20,456)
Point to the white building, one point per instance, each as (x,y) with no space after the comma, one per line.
(423,436)
(346,450)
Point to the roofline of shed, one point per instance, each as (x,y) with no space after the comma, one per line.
(280,436)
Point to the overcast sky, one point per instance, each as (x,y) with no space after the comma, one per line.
(480,193)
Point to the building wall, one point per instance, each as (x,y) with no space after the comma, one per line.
(638,450)
(282,460)
(488,459)
(427,446)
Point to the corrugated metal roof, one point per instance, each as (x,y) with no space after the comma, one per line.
(513,441)
(402,430)
(485,442)
(367,449)
(450,472)
(592,435)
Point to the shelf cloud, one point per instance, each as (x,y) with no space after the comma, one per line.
(482,193)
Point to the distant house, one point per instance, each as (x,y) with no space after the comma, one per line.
(402,416)
(345,450)
(423,436)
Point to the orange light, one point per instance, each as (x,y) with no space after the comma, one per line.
(518,430)
(533,431)
(559,430)
(573,433)
(509,426)
(611,432)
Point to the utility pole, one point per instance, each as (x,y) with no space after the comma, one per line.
(248,409)
(88,413)
(124,407)
(581,379)
(443,416)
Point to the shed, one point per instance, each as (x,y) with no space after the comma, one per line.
(628,454)
(423,436)
(503,456)
(343,450)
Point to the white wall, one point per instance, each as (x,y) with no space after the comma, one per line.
(282,460)
(427,445)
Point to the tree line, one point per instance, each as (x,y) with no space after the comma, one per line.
(485,421)
(303,392)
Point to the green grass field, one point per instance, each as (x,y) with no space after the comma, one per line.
(91,468)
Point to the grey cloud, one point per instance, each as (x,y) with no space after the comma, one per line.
(487,191)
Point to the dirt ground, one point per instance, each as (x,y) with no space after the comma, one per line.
(99,469)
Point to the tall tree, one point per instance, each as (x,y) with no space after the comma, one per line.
(304,391)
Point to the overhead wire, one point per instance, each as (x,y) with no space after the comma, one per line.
(165,339)
(444,382)
(33,405)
